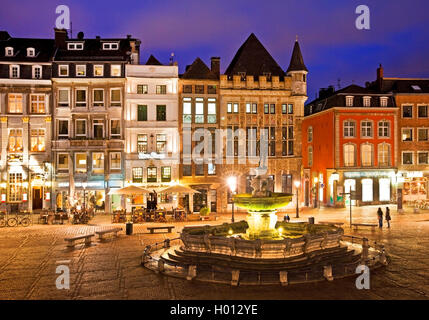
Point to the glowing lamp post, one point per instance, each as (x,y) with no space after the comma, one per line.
(297,184)
(232,183)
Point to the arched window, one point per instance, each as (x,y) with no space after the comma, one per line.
(310,156)
(310,134)
(349,155)
(366,155)
(384,154)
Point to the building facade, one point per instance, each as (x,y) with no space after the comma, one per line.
(350,148)
(266,105)
(26,122)
(88,84)
(151,128)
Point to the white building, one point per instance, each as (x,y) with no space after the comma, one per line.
(151,127)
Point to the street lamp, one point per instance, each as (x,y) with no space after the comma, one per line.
(232,183)
(297,184)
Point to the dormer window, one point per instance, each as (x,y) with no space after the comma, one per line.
(75,46)
(383,101)
(14,71)
(366,101)
(81,70)
(349,101)
(31,52)
(8,52)
(110,46)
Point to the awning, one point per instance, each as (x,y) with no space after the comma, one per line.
(130,190)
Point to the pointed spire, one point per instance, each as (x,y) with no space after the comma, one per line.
(296,61)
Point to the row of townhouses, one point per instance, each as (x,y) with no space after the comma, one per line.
(82,117)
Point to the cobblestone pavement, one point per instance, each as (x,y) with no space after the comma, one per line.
(111,269)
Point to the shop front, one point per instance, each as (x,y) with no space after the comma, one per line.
(414,185)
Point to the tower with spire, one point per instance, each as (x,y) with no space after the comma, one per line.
(298,71)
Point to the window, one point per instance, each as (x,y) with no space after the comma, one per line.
(63,129)
(366,155)
(37,72)
(115,70)
(80,128)
(407,111)
(211,110)
(349,155)
(366,101)
(15,140)
(366,129)
(37,102)
(199,110)
(384,154)
(187,88)
(423,111)
(211,169)
(199,89)
(161,143)
(115,129)
(187,170)
(80,70)
(290,108)
(383,101)
(211,89)
(142,89)
(110,46)
(272,108)
(232,141)
(165,174)
(98,129)
(161,113)
(423,134)
(266,108)
(98,98)
(349,101)
(115,97)
(63,162)
(142,143)
(271,141)
(15,187)
(152,174)
(287,183)
(38,140)
(63,70)
(161,89)
(115,161)
(80,97)
(15,103)
(287,141)
(187,110)
(407,157)
(137,175)
(416,88)
(14,71)
(310,156)
(98,162)
(8,51)
(75,46)
(349,129)
(310,134)
(232,107)
(199,169)
(251,141)
(141,113)
(284,108)
(98,70)
(251,108)
(63,98)
(407,134)
(423,157)
(384,129)
(80,163)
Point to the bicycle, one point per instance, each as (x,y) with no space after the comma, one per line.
(23,221)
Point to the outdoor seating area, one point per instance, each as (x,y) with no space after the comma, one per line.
(142,215)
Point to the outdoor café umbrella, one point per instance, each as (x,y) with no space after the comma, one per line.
(178,188)
(130,190)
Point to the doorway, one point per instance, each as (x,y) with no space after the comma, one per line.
(37,198)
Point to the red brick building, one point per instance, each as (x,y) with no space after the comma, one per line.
(349,144)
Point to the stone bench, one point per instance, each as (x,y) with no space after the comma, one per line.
(337,224)
(71,240)
(168,228)
(101,233)
(357,225)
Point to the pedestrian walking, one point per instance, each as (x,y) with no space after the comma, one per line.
(380,217)
(286,218)
(388,218)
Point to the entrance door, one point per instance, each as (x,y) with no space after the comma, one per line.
(307,193)
(349,186)
(37,198)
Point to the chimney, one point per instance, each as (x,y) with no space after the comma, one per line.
(60,38)
(326,92)
(215,65)
(380,74)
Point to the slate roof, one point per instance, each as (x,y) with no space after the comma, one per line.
(253,59)
(405,85)
(297,61)
(199,70)
(152,61)
(44,48)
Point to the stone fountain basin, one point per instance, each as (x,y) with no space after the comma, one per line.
(251,203)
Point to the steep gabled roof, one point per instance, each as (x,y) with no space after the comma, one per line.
(44,48)
(152,61)
(253,59)
(296,61)
(199,70)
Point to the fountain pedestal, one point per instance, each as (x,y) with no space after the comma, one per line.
(262,225)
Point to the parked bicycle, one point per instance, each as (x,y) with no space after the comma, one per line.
(22,220)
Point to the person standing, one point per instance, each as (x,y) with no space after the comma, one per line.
(388,218)
(380,217)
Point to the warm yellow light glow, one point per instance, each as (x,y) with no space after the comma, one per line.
(316,180)
(297,183)
(25,184)
(280,230)
(230,232)
(232,183)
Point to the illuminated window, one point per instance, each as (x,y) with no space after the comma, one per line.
(115,70)
(187,110)
(349,155)
(349,101)
(115,129)
(63,70)
(75,46)
(80,97)
(15,103)
(110,46)
(137,175)
(142,89)
(407,134)
(383,101)
(232,107)
(310,134)
(165,174)
(63,162)
(161,143)
(98,98)
(151,174)
(142,143)
(37,103)
(161,89)
(211,110)
(211,169)
(15,140)
(8,51)
(14,71)
(115,161)
(199,110)
(366,101)
(310,156)
(80,163)
(115,98)
(37,72)
(98,70)
(384,129)
(366,155)
(366,129)
(38,140)
(63,97)
(384,154)
(15,187)
(80,70)
(98,162)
